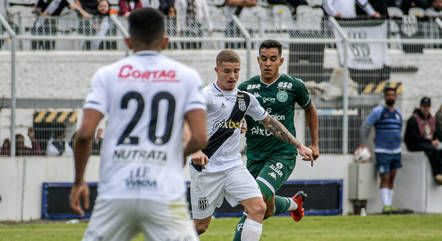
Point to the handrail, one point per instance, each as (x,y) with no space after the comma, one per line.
(247,37)
(345,84)
(11,33)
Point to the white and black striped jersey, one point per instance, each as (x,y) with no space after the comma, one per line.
(225,110)
(146,96)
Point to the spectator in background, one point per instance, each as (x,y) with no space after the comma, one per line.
(90,6)
(55,7)
(127,6)
(22,150)
(234,7)
(435,10)
(168,7)
(347,8)
(407,4)
(96,146)
(294,3)
(58,146)
(439,124)
(103,26)
(379,6)
(387,121)
(420,135)
(6,147)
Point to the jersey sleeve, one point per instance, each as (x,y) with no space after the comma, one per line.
(195,99)
(374,116)
(302,96)
(255,110)
(97,98)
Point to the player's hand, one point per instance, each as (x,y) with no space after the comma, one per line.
(315,151)
(200,159)
(435,143)
(243,126)
(79,191)
(376,15)
(306,153)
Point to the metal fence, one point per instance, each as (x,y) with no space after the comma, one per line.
(344,64)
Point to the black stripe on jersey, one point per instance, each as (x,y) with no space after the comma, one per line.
(221,135)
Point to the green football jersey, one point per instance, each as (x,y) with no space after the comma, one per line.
(278,99)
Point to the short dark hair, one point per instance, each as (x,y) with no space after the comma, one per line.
(227,55)
(146,25)
(389,88)
(270,43)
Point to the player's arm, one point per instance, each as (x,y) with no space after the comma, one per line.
(311,116)
(196,120)
(371,119)
(279,130)
(82,150)
(243,3)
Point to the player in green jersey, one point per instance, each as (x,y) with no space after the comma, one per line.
(270,160)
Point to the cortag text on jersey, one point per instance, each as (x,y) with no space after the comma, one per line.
(127,72)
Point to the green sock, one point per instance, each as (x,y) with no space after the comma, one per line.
(238,229)
(282,204)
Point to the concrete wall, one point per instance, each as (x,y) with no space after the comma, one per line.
(21,183)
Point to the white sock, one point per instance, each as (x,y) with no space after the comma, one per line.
(384,196)
(251,230)
(293,204)
(390,197)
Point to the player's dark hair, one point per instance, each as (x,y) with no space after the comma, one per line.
(389,88)
(146,25)
(227,55)
(270,43)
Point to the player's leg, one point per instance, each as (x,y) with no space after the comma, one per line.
(166,221)
(383,167)
(201,225)
(206,193)
(254,169)
(112,220)
(252,227)
(395,164)
(241,187)
(270,179)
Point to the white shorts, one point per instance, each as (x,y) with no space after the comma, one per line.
(123,219)
(208,189)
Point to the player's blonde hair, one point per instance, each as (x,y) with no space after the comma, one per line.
(227,55)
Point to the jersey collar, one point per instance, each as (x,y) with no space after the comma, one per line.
(267,85)
(223,91)
(147,52)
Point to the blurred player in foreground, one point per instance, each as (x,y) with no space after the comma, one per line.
(270,160)
(217,172)
(147,97)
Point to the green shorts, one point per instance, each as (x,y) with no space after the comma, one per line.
(271,174)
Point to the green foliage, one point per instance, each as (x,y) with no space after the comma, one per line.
(372,227)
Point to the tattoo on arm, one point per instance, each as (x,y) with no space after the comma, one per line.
(279,130)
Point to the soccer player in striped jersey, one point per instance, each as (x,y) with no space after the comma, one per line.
(217,172)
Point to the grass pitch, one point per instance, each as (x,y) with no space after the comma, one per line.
(372,227)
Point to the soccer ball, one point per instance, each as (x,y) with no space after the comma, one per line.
(362,154)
